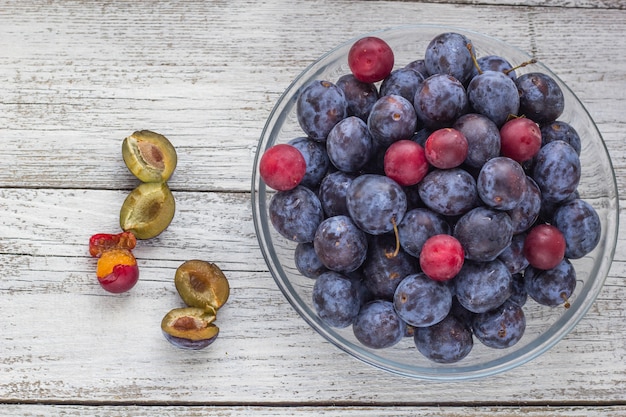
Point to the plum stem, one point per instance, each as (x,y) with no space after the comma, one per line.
(523,64)
(397,235)
(470,48)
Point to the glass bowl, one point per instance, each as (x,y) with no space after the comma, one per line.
(545,325)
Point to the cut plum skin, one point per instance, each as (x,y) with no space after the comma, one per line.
(117,270)
(101,242)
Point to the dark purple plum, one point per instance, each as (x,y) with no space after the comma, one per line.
(421,135)
(316,158)
(413,197)
(439,101)
(519,295)
(384,269)
(448,341)
(332,193)
(418,65)
(391,119)
(417,226)
(526,213)
(376,203)
(513,255)
(339,244)
(484,233)
(501,183)
(502,327)
(296,213)
(551,287)
(378,326)
(336,299)
(460,312)
(359,95)
(320,106)
(349,144)
(540,97)
(559,130)
(548,207)
(483,138)
(494,94)
(557,171)
(580,224)
(483,286)
(448,53)
(421,301)
(402,82)
(307,262)
(449,192)
(358,280)
(494,63)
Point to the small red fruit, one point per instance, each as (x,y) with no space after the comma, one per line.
(370,59)
(405,162)
(442,257)
(117,270)
(282,167)
(446,148)
(520,139)
(544,246)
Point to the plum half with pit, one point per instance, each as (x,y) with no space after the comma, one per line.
(190,327)
(201,284)
(148,210)
(149,156)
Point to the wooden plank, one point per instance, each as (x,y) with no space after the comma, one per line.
(325,411)
(64,339)
(76,77)
(590,4)
(204,86)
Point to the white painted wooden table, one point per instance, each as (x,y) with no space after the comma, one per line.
(76,77)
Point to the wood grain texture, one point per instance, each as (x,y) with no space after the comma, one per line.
(324,411)
(82,344)
(88,76)
(591,4)
(77,77)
